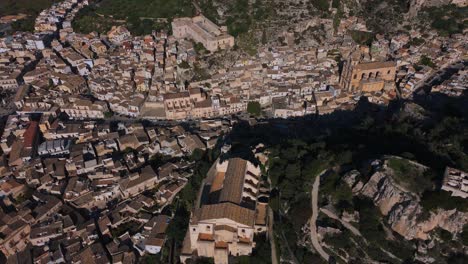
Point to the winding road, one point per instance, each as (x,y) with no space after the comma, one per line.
(347,225)
(274,255)
(313,220)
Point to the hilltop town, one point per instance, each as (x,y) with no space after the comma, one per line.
(116,147)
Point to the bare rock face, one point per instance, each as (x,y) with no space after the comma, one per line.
(402,209)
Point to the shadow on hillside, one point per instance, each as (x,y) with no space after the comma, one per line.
(369,130)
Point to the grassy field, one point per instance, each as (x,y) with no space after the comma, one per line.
(140,16)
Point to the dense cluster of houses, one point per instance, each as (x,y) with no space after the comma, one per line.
(63,162)
(56,174)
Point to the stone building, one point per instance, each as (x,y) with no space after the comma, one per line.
(367,76)
(456,182)
(226,224)
(201,29)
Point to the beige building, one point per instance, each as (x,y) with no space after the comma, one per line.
(456,182)
(15,236)
(368,76)
(83,108)
(138,183)
(227,224)
(201,29)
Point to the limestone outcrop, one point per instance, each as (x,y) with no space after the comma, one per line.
(402,209)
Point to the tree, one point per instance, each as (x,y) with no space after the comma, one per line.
(197,155)
(426,61)
(264,38)
(254,108)
(336,3)
(321,5)
(464,235)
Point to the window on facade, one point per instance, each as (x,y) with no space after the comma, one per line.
(355,76)
(388,72)
(243,230)
(208,227)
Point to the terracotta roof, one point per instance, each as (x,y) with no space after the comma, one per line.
(375,65)
(221,244)
(218,182)
(233,181)
(244,240)
(30,134)
(230,211)
(176,95)
(260,214)
(153,241)
(205,237)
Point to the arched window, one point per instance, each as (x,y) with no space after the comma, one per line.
(355,76)
(363,76)
(371,74)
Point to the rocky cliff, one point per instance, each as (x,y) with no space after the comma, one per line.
(401,207)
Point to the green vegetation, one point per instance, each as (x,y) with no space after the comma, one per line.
(383,16)
(337,19)
(26,24)
(424,60)
(31,8)
(464,235)
(362,37)
(447,20)
(199,48)
(178,226)
(209,9)
(410,176)
(240,22)
(248,43)
(433,200)
(240,16)
(200,73)
(184,65)
(87,21)
(187,197)
(254,108)
(301,149)
(140,16)
(336,3)
(322,5)
(28,7)
(416,41)
(261,253)
(24,196)
(131,227)
(108,114)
